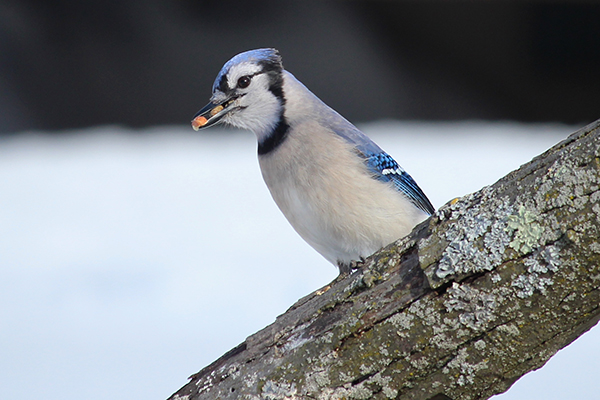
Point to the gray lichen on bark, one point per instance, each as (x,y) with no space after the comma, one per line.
(486,290)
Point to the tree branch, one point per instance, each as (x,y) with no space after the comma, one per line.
(486,290)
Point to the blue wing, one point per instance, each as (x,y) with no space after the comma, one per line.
(388,170)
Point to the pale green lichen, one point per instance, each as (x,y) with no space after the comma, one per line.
(527,230)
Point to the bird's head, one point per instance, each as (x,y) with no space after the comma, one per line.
(248,93)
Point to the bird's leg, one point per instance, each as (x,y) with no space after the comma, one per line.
(347,268)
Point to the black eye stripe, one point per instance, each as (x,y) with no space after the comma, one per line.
(223,86)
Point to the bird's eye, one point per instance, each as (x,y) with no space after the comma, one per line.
(243,82)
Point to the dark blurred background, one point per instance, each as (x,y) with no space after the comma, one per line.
(67,64)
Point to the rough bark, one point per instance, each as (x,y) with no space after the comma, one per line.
(486,290)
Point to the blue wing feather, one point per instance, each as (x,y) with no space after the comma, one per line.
(388,170)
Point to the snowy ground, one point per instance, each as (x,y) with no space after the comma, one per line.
(130,260)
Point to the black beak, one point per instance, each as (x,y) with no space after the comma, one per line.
(211,114)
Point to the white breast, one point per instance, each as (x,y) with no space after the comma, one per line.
(328,196)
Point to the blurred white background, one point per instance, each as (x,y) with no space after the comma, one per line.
(131,259)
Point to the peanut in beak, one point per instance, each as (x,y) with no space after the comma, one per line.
(198,122)
(215,110)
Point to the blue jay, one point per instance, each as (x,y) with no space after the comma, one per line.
(341,192)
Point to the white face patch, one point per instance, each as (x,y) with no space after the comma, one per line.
(259,109)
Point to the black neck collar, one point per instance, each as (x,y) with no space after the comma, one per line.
(275,138)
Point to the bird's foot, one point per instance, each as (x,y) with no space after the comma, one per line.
(347,268)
